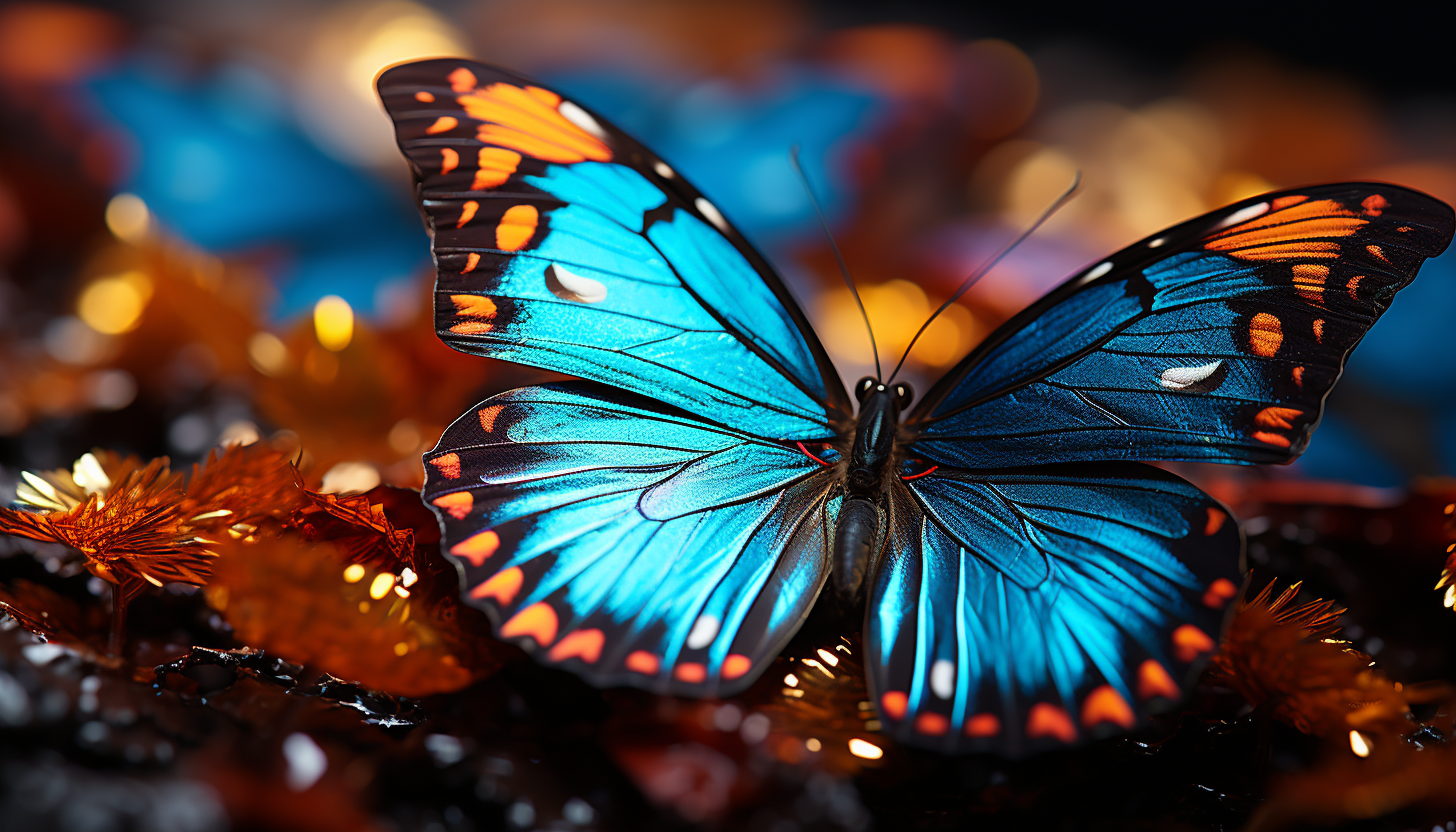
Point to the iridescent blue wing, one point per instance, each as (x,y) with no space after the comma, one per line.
(628,541)
(1029,608)
(562,243)
(1216,340)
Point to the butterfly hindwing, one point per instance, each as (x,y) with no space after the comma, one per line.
(562,243)
(1217,340)
(629,542)
(1030,608)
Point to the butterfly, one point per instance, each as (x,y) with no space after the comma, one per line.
(668,519)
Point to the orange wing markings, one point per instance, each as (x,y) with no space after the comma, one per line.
(527,120)
(449,160)
(1154,680)
(894,704)
(1286,201)
(1219,593)
(467,213)
(477,548)
(1309,281)
(1104,704)
(1273,419)
(932,724)
(1266,334)
(442,124)
(1216,518)
(1298,375)
(502,586)
(448,465)
(1291,229)
(424,96)
(641,661)
(1319,330)
(538,621)
(1189,642)
(471,261)
(1377,252)
(1048,720)
(736,665)
(579,644)
(517,227)
(983,725)
(1374,205)
(462,80)
(477,307)
(1353,286)
(691,672)
(487,417)
(494,165)
(457,504)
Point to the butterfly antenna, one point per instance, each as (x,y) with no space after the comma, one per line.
(843,266)
(985,267)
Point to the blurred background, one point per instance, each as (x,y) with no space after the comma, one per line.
(207,233)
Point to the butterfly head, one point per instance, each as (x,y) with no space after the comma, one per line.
(901,391)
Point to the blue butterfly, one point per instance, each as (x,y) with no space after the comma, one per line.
(668,520)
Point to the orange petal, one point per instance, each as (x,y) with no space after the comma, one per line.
(641,661)
(1153,680)
(456,504)
(579,644)
(537,621)
(1048,720)
(477,548)
(1104,704)
(1189,642)
(502,586)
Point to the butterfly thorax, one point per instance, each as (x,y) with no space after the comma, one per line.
(857,532)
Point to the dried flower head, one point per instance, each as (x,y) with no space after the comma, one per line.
(1287,659)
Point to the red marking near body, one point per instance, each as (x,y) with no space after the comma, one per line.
(457,505)
(983,725)
(690,672)
(579,644)
(932,724)
(1048,720)
(894,704)
(1374,204)
(477,548)
(467,213)
(927,472)
(1218,594)
(448,465)
(736,665)
(487,417)
(424,96)
(1189,642)
(449,160)
(1153,680)
(471,261)
(1216,516)
(537,621)
(442,124)
(502,586)
(462,80)
(641,661)
(1106,705)
(811,456)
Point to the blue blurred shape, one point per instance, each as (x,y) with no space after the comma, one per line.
(222,163)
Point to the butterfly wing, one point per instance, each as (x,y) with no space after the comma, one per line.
(1029,608)
(562,243)
(628,541)
(1216,340)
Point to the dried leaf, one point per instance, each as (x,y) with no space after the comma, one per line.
(1287,659)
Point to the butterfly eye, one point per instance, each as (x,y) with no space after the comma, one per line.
(864,387)
(904,393)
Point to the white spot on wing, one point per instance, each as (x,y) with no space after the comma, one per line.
(942,678)
(710,211)
(1177,378)
(663,170)
(1156,243)
(581,118)
(1243,214)
(705,629)
(1101,269)
(568,285)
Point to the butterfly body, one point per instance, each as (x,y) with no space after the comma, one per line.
(668,520)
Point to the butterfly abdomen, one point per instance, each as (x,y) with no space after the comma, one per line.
(856,536)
